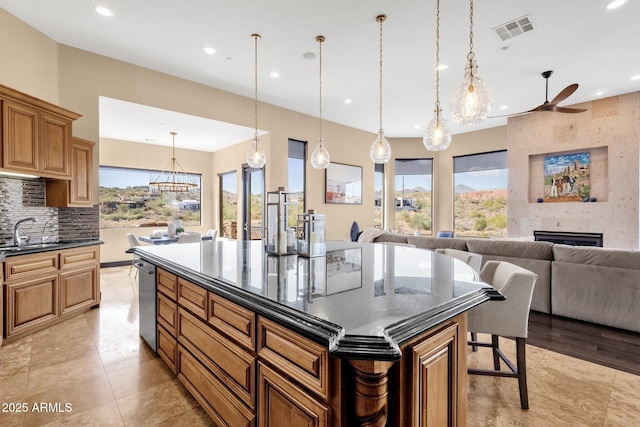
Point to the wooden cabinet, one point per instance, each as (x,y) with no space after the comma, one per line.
(1,304)
(20,137)
(78,191)
(44,288)
(168,348)
(283,403)
(36,135)
(31,303)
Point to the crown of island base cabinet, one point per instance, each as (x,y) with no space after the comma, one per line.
(249,362)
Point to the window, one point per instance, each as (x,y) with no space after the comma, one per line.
(378,189)
(296,181)
(126,201)
(480,185)
(229,204)
(413,184)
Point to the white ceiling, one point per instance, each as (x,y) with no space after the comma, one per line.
(580,40)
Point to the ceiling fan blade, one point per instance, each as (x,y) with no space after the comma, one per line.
(569,110)
(566,92)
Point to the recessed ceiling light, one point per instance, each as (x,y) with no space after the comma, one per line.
(616,4)
(636,77)
(442,67)
(416,126)
(103,11)
(309,55)
(504,107)
(209,50)
(599,92)
(274,74)
(348,101)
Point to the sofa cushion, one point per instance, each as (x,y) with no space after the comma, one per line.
(391,238)
(623,258)
(597,285)
(511,248)
(433,243)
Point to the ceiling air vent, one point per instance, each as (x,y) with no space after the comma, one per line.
(514,28)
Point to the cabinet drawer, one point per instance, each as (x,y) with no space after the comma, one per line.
(302,359)
(231,319)
(167,283)
(77,257)
(193,298)
(167,348)
(167,314)
(211,393)
(229,362)
(17,267)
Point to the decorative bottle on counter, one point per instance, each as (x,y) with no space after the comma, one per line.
(280,236)
(311,234)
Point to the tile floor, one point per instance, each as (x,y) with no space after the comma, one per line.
(97,363)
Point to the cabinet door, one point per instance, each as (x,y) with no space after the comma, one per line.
(19,137)
(30,303)
(434,379)
(55,139)
(282,403)
(81,172)
(78,289)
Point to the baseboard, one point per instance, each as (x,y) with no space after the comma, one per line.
(114,264)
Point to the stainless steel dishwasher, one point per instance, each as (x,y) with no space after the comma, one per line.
(147,302)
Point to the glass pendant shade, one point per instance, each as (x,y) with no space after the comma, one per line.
(437,137)
(320,158)
(380,149)
(471,101)
(256,157)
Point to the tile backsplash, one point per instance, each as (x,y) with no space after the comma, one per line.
(25,198)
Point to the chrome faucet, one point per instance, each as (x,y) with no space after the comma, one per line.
(17,241)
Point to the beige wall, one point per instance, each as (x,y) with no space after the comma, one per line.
(29,59)
(609,131)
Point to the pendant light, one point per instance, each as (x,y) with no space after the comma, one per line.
(380,149)
(256,157)
(173,178)
(437,137)
(471,101)
(320,158)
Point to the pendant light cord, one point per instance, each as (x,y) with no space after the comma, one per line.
(471,55)
(320,39)
(256,37)
(381,19)
(438,60)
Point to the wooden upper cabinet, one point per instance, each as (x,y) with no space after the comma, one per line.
(20,137)
(54,145)
(79,189)
(36,135)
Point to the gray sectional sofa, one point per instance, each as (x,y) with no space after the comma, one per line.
(597,285)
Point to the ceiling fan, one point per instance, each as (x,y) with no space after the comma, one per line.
(552,105)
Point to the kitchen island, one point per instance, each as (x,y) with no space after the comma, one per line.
(369,334)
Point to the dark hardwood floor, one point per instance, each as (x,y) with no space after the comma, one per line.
(615,348)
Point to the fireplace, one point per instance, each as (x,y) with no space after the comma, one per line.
(569,238)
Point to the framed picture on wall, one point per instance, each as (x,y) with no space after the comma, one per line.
(343,184)
(566,177)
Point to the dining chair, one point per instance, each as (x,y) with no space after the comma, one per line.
(212,233)
(508,318)
(133,242)
(472,259)
(189,238)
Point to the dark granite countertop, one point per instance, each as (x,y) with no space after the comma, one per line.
(361,300)
(45,247)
